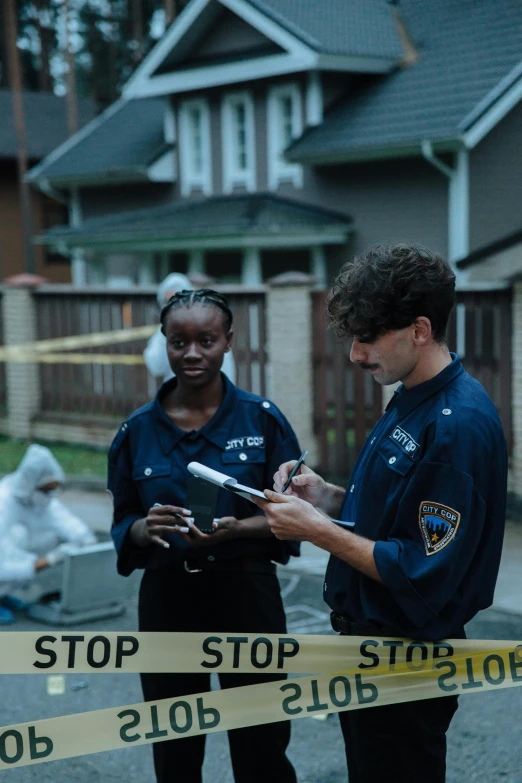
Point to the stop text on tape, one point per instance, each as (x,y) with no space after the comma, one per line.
(496,665)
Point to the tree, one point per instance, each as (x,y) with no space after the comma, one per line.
(15,82)
(107,39)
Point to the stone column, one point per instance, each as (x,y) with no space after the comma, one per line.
(196,262)
(515,477)
(289,338)
(251,269)
(387,394)
(22,379)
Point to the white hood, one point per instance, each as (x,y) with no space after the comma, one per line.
(174,282)
(38,467)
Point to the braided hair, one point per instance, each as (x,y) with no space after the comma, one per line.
(203,296)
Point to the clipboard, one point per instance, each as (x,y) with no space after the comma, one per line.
(227,482)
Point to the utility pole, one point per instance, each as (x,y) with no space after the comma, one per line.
(15,83)
(72,103)
(137,25)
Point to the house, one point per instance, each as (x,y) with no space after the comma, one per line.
(46,126)
(260,136)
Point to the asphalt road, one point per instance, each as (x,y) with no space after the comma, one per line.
(484,741)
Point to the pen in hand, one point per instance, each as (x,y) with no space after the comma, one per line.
(296,467)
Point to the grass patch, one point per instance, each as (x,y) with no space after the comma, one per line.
(76,460)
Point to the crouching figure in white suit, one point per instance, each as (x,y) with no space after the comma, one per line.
(37,530)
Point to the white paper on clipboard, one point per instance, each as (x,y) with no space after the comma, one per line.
(224,481)
(227,482)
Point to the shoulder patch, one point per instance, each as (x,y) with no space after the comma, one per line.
(438,525)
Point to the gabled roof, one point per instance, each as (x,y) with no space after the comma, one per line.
(465,47)
(342,35)
(45,119)
(222,217)
(350,27)
(120,144)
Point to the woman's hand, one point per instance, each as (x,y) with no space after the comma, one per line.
(224,529)
(160,521)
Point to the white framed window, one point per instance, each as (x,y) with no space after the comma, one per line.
(194,147)
(238,141)
(285,123)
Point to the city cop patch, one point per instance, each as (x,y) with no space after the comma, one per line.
(438,525)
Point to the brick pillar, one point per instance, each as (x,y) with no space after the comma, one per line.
(22,379)
(289,338)
(515,477)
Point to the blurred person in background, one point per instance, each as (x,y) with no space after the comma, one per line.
(36,529)
(155,354)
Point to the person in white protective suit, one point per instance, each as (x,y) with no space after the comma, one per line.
(155,354)
(37,530)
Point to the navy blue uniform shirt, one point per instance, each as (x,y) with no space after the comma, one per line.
(247,438)
(429,487)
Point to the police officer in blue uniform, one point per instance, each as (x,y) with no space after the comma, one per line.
(427,496)
(224,581)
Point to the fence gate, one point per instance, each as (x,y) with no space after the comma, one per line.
(347,401)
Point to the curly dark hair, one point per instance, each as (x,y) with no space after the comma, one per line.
(203,296)
(387,287)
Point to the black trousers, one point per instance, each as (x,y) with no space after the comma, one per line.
(211,601)
(398,742)
(403,742)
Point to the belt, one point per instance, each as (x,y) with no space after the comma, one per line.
(252,565)
(345,625)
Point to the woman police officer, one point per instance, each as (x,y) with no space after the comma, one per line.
(224,581)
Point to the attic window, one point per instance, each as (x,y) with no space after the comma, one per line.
(285,123)
(238,142)
(194,147)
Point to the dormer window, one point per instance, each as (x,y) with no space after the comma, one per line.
(285,123)
(194,147)
(238,142)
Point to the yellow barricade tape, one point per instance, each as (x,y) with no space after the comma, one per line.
(118,336)
(77,358)
(373,672)
(81,652)
(138,724)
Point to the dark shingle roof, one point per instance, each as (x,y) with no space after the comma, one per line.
(45,119)
(466,47)
(347,27)
(257,214)
(127,139)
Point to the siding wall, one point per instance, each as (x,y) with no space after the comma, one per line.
(230,35)
(112,199)
(496,182)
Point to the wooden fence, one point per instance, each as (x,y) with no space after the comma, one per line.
(480,331)
(116,390)
(348,402)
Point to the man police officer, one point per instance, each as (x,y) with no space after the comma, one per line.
(427,496)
